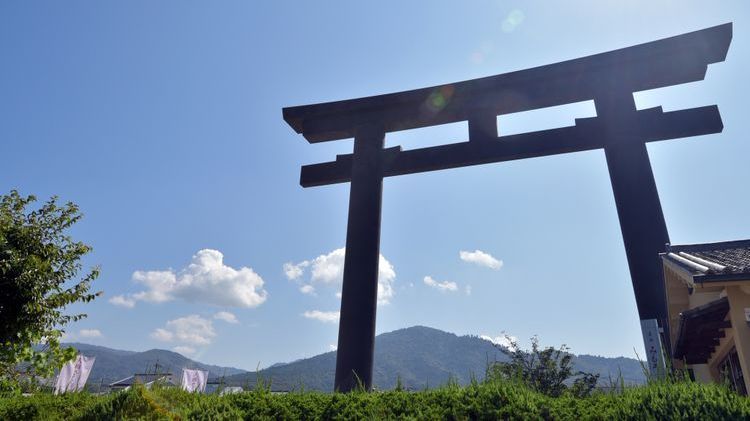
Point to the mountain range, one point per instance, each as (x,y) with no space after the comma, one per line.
(421,357)
(418,357)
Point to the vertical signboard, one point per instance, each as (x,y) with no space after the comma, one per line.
(654,350)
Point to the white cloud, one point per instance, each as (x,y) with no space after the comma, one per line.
(184,350)
(323,316)
(162,335)
(205,280)
(386,276)
(193,330)
(441,286)
(90,333)
(506,341)
(467,289)
(293,271)
(307,289)
(82,334)
(160,284)
(226,316)
(481,258)
(122,301)
(332,347)
(328,269)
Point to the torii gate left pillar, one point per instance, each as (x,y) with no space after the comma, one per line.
(359,293)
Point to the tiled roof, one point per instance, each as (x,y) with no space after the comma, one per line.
(714,261)
(140,378)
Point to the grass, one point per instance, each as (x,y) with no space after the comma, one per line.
(493,400)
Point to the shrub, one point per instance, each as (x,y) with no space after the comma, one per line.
(545,370)
(492,400)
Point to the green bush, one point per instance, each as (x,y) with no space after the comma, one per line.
(493,400)
(547,370)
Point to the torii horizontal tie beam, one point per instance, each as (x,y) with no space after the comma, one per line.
(589,133)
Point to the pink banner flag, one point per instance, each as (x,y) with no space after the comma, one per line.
(74,374)
(194,380)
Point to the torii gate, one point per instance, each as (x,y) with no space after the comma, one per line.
(609,79)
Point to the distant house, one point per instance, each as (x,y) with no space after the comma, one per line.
(165,379)
(147,380)
(708,302)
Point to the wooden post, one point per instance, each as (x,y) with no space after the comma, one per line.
(738,302)
(482,126)
(359,295)
(644,230)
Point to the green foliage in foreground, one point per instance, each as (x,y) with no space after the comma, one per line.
(39,277)
(493,400)
(542,369)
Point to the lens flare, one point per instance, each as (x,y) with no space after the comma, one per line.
(481,54)
(513,20)
(439,99)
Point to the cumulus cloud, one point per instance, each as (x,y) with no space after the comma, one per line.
(332,347)
(81,334)
(481,258)
(184,350)
(205,280)
(328,269)
(193,330)
(293,271)
(440,286)
(323,316)
(506,341)
(122,301)
(226,316)
(307,289)
(90,333)
(162,335)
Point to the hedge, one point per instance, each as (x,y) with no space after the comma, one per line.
(496,400)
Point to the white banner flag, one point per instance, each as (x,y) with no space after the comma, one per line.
(73,375)
(194,380)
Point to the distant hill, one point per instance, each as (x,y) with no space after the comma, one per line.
(421,357)
(113,364)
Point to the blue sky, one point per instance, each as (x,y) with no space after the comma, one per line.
(162,120)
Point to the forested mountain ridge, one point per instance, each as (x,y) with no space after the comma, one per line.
(421,357)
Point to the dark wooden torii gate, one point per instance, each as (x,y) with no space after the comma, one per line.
(609,79)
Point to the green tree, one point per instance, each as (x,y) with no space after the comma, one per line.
(547,370)
(39,277)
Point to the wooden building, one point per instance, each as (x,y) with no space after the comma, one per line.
(708,300)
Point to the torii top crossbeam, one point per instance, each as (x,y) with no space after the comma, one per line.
(671,61)
(609,79)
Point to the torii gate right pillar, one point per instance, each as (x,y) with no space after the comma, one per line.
(644,230)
